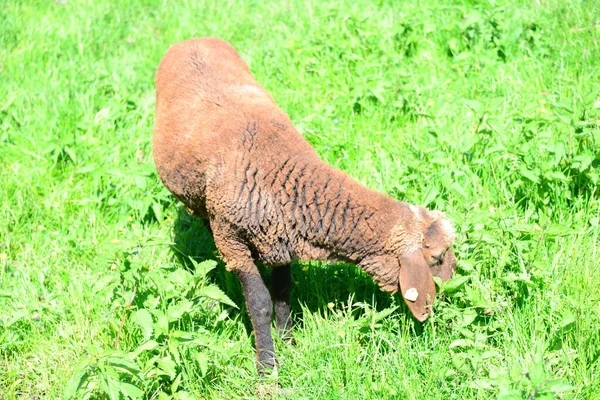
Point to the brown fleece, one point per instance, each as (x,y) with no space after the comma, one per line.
(231,155)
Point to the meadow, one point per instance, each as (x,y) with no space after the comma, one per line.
(487,110)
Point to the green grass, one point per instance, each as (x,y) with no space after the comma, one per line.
(488,110)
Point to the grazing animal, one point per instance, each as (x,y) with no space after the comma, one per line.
(226,150)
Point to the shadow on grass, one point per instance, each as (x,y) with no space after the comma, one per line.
(315,284)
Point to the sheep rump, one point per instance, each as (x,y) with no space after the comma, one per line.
(232,156)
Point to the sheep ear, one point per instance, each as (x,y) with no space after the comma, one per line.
(445,270)
(416,285)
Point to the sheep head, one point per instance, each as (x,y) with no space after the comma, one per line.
(421,242)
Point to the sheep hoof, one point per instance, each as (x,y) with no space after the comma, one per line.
(267,368)
(411,294)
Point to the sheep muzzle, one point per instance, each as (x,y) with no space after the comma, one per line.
(447,267)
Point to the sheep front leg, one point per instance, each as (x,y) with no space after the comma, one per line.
(238,258)
(260,307)
(281,283)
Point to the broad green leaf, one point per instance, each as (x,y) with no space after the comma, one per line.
(537,375)
(558,386)
(167,366)
(71,153)
(130,390)
(522,277)
(556,176)
(203,268)
(455,283)
(474,294)
(454,45)
(465,265)
(143,318)
(467,317)
(430,196)
(180,278)
(108,381)
(378,94)
(162,322)
(86,169)
(164,396)
(202,363)
(177,310)
(124,364)
(174,352)
(378,316)
(531,175)
(583,161)
(214,293)
(515,372)
(183,396)
(157,209)
(149,345)
(462,343)
(568,320)
(78,379)
(458,189)
(103,282)
(481,384)
(175,384)
(182,336)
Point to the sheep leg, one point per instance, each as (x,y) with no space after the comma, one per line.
(238,258)
(281,283)
(260,308)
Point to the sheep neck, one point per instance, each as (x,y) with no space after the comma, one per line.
(334,212)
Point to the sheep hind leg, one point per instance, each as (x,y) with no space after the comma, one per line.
(281,283)
(260,309)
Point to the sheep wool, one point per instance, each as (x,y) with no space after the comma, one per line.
(226,150)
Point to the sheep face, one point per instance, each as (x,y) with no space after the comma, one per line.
(428,254)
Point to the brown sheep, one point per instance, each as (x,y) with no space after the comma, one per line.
(232,156)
